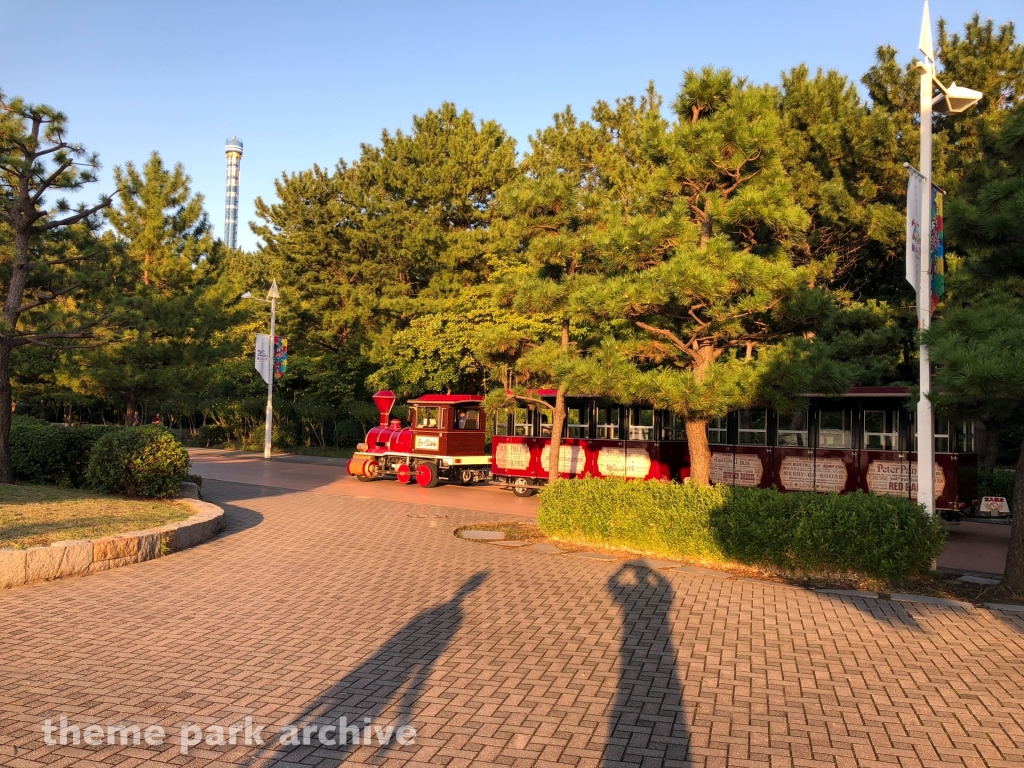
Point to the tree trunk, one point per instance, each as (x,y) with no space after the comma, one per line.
(557,426)
(132,409)
(6,467)
(1014,577)
(558,417)
(986,436)
(700,451)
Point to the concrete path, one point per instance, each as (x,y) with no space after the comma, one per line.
(325,475)
(318,606)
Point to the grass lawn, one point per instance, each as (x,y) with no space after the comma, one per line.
(34,515)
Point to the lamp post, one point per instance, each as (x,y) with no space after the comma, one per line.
(949,101)
(272,296)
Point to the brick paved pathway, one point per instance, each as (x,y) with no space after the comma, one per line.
(312,607)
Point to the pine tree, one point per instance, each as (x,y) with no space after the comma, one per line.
(48,265)
(702,264)
(179,309)
(396,235)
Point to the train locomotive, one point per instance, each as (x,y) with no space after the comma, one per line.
(446,441)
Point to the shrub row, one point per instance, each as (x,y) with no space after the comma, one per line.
(135,461)
(859,533)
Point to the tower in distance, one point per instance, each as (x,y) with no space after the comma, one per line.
(233,149)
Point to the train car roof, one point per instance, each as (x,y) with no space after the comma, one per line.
(446,399)
(852,392)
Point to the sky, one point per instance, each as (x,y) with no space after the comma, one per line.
(303,83)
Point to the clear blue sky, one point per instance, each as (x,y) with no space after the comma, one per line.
(307,82)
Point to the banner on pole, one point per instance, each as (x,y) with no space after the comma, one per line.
(280,356)
(914,190)
(264,355)
(938,248)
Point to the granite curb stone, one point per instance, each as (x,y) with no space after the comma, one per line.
(77,558)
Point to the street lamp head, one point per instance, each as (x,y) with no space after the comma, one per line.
(246,295)
(955,99)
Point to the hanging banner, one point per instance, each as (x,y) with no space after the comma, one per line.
(263,355)
(280,356)
(914,186)
(938,248)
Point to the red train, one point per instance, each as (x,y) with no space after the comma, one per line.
(865,439)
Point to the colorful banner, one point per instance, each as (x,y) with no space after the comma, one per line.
(938,248)
(280,356)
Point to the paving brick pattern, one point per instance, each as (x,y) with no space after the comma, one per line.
(312,607)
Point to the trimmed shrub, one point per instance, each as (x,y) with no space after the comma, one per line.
(880,536)
(37,452)
(140,461)
(51,454)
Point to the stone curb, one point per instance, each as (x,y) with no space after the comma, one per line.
(77,558)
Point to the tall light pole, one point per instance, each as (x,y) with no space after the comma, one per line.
(949,101)
(272,296)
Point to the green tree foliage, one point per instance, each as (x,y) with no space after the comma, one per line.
(700,260)
(977,345)
(180,309)
(361,251)
(46,261)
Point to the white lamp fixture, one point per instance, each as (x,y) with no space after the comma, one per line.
(955,99)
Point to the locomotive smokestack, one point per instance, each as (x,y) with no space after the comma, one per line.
(384,400)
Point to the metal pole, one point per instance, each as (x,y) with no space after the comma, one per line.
(267,435)
(925,420)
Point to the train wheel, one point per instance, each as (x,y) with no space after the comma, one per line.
(521,489)
(369,472)
(426,475)
(405,474)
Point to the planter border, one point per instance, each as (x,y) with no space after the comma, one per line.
(81,557)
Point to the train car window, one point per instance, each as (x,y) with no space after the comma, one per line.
(522,424)
(467,418)
(942,435)
(578,422)
(608,422)
(881,430)
(718,430)
(641,423)
(545,422)
(753,428)
(793,429)
(501,422)
(965,437)
(835,429)
(673,427)
(428,417)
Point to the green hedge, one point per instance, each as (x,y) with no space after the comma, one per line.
(880,536)
(50,454)
(138,461)
(997,482)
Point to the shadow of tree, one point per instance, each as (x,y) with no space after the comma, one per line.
(648,725)
(384,689)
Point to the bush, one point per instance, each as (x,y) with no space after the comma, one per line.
(996,482)
(209,435)
(880,536)
(140,461)
(51,454)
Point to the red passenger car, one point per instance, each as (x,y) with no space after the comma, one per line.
(865,439)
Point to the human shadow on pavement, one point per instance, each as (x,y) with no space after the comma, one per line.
(378,697)
(648,724)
